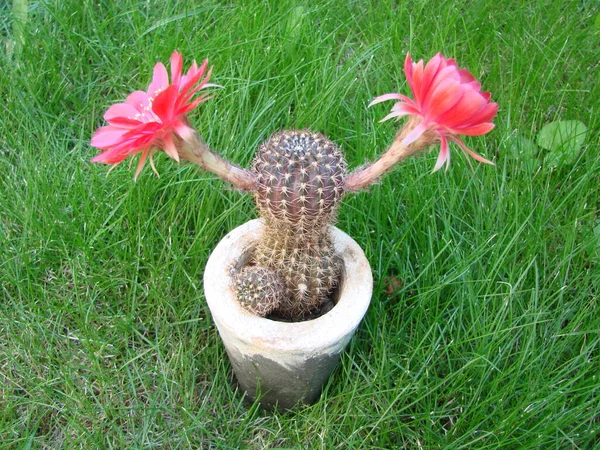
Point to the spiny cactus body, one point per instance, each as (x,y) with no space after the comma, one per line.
(259,290)
(300,178)
(307,263)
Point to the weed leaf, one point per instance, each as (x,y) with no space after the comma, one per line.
(563,139)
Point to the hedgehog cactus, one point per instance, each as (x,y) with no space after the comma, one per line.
(259,290)
(298,177)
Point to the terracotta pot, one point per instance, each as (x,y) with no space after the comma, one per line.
(284,363)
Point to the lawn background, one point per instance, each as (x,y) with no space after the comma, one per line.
(483,330)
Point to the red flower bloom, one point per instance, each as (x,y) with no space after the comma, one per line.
(146,121)
(447,101)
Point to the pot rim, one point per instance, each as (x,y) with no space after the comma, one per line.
(355,289)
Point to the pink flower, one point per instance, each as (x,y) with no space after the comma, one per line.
(148,121)
(447,103)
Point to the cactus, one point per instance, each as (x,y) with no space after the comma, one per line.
(298,177)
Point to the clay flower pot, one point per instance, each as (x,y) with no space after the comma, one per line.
(284,363)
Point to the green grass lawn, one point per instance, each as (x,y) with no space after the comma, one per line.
(483,330)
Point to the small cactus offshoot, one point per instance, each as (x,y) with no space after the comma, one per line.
(298,177)
(259,290)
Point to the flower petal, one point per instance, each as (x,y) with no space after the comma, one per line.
(466,149)
(443,98)
(160,80)
(466,77)
(470,103)
(445,73)
(384,98)
(176,66)
(443,156)
(164,104)
(107,136)
(402,109)
(140,165)
(185,132)
(140,101)
(408,69)
(110,157)
(170,148)
(485,114)
(415,134)
(477,130)
(193,76)
(120,110)
(429,74)
(394,114)
(417,81)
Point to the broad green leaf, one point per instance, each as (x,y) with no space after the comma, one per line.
(597,22)
(524,150)
(294,22)
(522,147)
(563,139)
(293,29)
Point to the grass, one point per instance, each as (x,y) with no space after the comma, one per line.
(483,331)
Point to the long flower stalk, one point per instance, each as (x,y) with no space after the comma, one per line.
(194,150)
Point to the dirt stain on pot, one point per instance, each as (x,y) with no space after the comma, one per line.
(279,387)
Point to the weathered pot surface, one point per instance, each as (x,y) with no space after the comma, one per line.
(284,363)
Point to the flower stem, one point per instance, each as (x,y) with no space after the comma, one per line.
(398,151)
(196,151)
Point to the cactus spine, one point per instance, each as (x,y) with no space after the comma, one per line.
(300,177)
